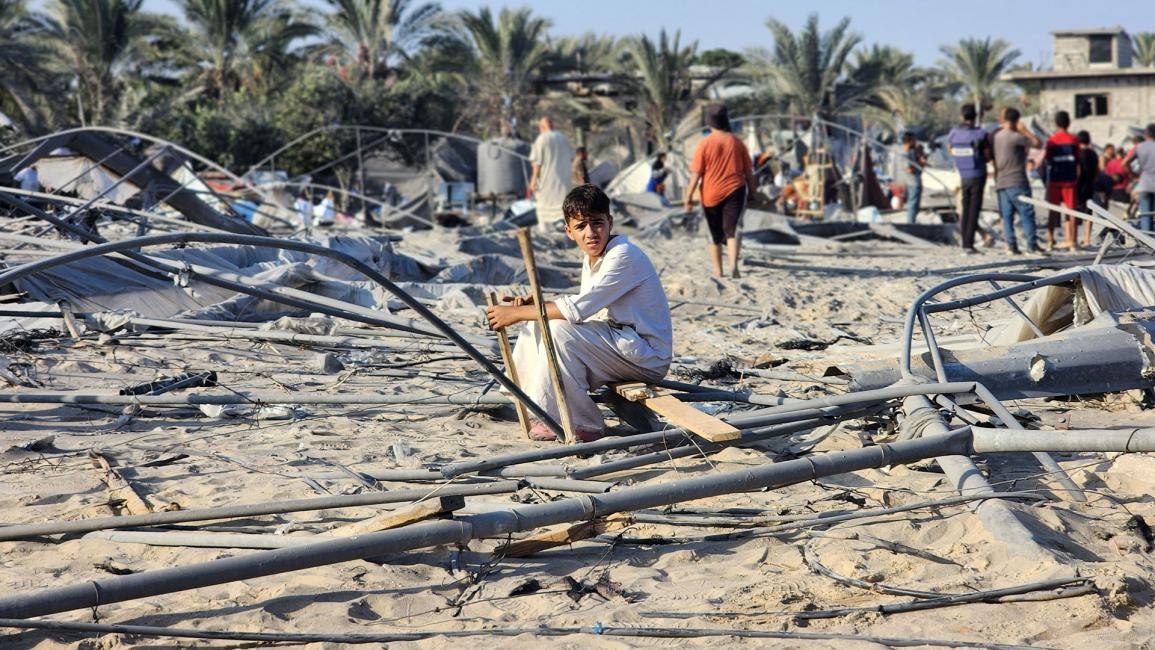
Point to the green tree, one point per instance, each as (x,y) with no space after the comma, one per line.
(808,67)
(586,53)
(720,57)
(103,44)
(662,81)
(371,34)
(22,57)
(977,65)
(1143,48)
(508,53)
(235,43)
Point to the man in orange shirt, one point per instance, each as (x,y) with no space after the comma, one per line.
(723,168)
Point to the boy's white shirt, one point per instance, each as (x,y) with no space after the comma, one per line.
(622,288)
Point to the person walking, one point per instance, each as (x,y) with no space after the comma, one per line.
(1144,153)
(915,160)
(971,149)
(1062,158)
(722,167)
(552,159)
(1011,144)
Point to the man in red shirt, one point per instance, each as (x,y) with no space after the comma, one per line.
(1063,153)
(723,168)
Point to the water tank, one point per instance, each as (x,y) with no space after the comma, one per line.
(500,168)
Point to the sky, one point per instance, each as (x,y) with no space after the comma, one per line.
(917,26)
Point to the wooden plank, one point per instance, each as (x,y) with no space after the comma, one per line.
(510,369)
(70,322)
(682,414)
(525,240)
(563,536)
(402,516)
(678,412)
(119,489)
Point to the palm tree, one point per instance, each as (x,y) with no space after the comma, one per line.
(978,64)
(663,82)
(234,43)
(22,58)
(102,43)
(1143,48)
(809,67)
(507,55)
(586,53)
(372,33)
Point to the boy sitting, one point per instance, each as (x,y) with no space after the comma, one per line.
(617,329)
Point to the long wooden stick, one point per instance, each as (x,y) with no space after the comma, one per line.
(524,238)
(510,369)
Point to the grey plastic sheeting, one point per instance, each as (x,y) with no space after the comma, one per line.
(102,284)
(1117,288)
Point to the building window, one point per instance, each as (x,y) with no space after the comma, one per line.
(1100,49)
(1090,106)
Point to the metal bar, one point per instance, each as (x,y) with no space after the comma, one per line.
(25,531)
(112,589)
(922,418)
(194,399)
(1019,310)
(289,244)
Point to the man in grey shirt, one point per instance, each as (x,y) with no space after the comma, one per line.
(1144,152)
(1011,143)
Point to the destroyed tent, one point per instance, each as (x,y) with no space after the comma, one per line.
(113,159)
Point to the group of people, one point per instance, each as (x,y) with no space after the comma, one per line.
(1074,175)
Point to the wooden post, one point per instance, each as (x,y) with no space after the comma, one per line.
(510,369)
(524,238)
(118,487)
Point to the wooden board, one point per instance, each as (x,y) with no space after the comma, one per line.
(678,412)
(510,369)
(563,536)
(402,516)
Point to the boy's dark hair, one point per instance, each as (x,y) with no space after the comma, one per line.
(1151,130)
(908,138)
(585,200)
(1062,119)
(1012,115)
(1084,138)
(581,150)
(968,113)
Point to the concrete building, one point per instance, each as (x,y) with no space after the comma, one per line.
(1092,78)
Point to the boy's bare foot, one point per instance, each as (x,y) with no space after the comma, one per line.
(541,433)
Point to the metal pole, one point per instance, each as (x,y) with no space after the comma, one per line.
(922,418)
(289,244)
(423,535)
(25,531)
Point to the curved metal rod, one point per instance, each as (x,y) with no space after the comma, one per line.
(30,268)
(134,134)
(920,310)
(374,129)
(916,307)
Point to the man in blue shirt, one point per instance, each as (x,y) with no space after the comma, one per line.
(971,149)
